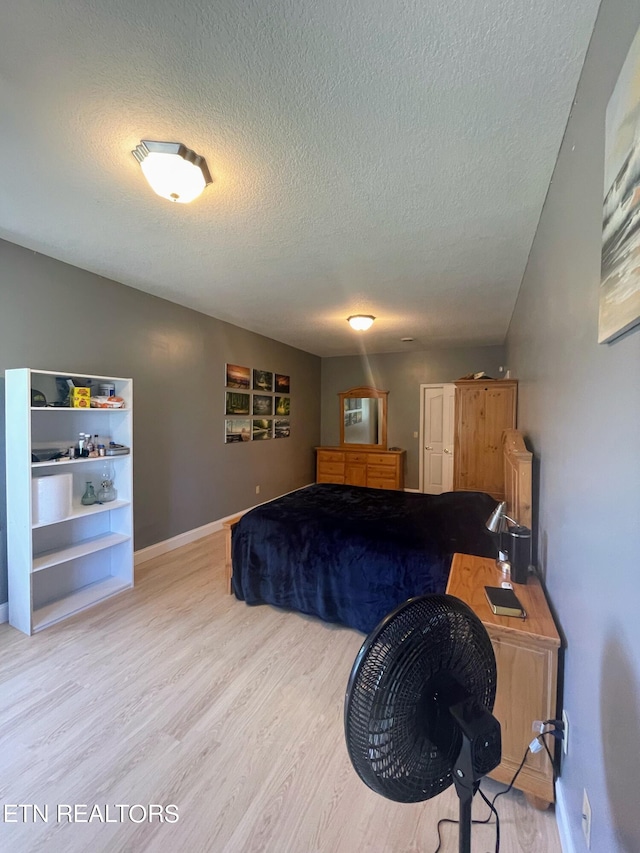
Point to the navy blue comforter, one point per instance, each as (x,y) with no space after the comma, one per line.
(349,554)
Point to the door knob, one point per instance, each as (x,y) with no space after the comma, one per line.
(428,447)
(446,450)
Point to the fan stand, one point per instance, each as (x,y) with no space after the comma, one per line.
(478,729)
(465,789)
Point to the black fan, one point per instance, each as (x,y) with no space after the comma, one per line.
(418,706)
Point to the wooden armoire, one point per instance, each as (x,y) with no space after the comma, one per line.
(483,409)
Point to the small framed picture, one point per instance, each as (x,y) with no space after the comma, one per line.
(282,384)
(262,380)
(237,404)
(262,405)
(283,406)
(261,429)
(281,428)
(237,377)
(237,430)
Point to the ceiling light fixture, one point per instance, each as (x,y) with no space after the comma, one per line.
(172,170)
(360,322)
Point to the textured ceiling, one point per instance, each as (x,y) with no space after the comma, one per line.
(384,156)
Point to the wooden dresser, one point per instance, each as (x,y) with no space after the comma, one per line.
(526,653)
(377,469)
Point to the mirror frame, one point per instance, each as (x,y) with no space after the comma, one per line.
(369,392)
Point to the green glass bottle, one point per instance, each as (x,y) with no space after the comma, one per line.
(89,496)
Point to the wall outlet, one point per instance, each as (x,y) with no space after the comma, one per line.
(415,434)
(257,490)
(565,733)
(586,818)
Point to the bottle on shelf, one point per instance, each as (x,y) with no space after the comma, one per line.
(101,443)
(107,491)
(89,497)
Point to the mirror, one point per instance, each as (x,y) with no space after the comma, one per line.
(363,417)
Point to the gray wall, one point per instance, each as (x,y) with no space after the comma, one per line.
(580,405)
(401,374)
(58,317)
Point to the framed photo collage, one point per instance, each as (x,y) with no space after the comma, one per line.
(257,404)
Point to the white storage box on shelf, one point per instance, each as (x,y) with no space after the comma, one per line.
(51,498)
(63,556)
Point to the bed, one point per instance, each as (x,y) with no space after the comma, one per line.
(349,554)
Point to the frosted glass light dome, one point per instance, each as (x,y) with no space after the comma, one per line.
(173,171)
(360,322)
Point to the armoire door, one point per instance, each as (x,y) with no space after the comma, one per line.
(437,429)
(483,410)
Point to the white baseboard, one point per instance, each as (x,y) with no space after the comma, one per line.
(562,819)
(4,612)
(188,536)
(167,545)
(417,491)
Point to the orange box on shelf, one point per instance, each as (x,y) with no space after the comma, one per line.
(80,398)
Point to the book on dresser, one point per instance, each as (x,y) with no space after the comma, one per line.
(504,602)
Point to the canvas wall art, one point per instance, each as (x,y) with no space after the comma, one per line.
(283,406)
(262,380)
(236,430)
(620,276)
(262,405)
(252,393)
(237,404)
(283,384)
(261,429)
(237,376)
(281,428)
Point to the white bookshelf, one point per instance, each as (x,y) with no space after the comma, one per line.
(57,568)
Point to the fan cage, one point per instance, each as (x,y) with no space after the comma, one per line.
(400,736)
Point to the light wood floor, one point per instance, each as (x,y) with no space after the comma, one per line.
(175,693)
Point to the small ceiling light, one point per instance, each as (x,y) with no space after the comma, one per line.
(172,170)
(406,340)
(360,322)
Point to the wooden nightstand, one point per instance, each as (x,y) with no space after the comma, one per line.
(526,653)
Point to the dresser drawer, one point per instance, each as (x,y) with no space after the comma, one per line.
(381,471)
(382,459)
(330,456)
(355,457)
(330,478)
(330,468)
(382,482)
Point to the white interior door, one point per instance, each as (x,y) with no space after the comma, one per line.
(437,424)
(448,429)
